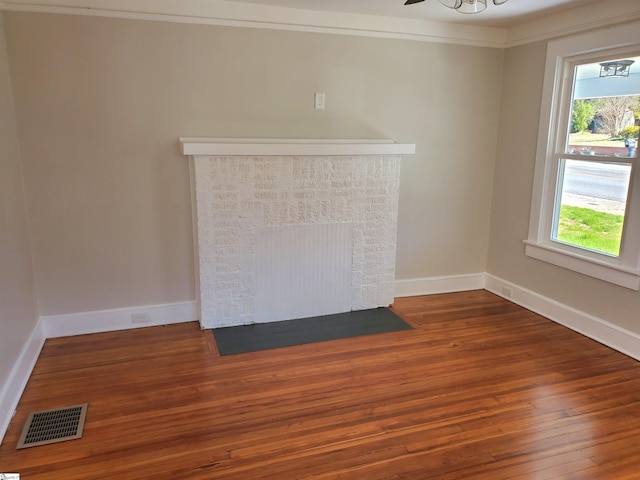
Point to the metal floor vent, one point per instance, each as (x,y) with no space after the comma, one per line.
(51,426)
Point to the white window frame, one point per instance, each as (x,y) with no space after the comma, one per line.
(562,55)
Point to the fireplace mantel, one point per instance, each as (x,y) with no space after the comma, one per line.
(291,147)
(288,228)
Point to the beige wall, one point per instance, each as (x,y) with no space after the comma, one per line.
(18,314)
(100,103)
(522,93)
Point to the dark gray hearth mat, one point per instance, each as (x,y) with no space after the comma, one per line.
(265,336)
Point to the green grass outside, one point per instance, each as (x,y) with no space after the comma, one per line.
(590,229)
(594,140)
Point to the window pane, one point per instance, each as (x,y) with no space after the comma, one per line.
(605,110)
(591,208)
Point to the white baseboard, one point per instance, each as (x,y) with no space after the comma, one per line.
(428,286)
(118,319)
(19,376)
(52,326)
(618,338)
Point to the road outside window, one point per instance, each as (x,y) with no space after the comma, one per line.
(585,209)
(593,194)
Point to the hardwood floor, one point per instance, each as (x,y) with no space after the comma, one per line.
(481,389)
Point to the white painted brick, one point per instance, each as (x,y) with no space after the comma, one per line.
(236,195)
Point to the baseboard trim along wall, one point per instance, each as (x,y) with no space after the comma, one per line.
(428,286)
(52,326)
(118,319)
(618,338)
(11,391)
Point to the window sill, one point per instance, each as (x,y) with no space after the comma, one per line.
(609,272)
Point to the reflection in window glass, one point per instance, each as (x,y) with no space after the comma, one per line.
(592,188)
(605,111)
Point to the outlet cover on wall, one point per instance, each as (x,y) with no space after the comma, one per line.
(140,318)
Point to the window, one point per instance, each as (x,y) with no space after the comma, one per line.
(585,213)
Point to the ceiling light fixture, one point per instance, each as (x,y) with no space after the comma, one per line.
(463,6)
(618,68)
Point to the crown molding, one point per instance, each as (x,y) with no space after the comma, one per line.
(593,16)
(239,14)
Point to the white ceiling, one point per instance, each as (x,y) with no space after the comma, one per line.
(507,15)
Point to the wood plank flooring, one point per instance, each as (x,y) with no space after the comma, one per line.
(481,389)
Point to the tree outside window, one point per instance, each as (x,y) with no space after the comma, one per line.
(585,210)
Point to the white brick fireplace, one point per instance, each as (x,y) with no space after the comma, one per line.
(293,228)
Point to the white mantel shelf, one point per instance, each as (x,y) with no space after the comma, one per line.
(317,217)
(291,147)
